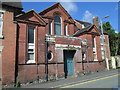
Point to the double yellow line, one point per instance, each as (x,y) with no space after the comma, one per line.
(90,81)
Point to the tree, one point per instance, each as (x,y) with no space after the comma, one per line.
(114,39)
(118,52)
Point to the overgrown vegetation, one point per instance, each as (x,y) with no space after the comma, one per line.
(17,84)
(114,39)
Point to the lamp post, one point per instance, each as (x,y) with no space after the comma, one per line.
(106,59)
(102,28)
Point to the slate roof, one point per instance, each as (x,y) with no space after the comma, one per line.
(80,31)
(88,26)
(82,22)
(16,4)
(86,29)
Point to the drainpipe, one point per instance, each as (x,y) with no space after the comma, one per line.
(87,57)
(46,59)
(37,53)
(16,57)
(82,58)
(56,72)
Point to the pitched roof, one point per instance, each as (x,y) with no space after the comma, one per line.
(48,9)
(84,23)
(80,31)
(88,26)
(13,3)
(52,7)
(26,14)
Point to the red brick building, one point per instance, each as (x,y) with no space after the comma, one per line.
(8,37)
(49,45)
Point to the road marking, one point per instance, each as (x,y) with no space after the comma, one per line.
(89,81)
(82,81)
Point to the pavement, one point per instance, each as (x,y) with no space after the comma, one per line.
(70,81)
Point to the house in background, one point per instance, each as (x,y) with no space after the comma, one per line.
(105,49)
(48,45)
(93,50)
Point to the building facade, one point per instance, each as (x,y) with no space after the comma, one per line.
(8,37)
(48,45)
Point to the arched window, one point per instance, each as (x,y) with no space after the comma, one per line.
(57,25)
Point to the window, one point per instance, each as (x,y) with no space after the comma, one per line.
(93,42)
(103,54)
(101,39)
(94,48)
(57,25)
(30,34)
(1,24)
(31,45)
(50,55)
(65,30)
(50,28)
(30,54)
(83,56)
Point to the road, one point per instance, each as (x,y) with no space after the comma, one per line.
(103,82)
(105,79)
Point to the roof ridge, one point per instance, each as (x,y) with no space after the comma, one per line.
(83,21)
(30,11)
(49,7)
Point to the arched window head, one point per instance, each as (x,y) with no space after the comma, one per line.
(57,25)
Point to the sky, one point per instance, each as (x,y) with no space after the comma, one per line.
(84,11)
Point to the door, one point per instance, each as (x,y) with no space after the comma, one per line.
(70,66)
(69,62)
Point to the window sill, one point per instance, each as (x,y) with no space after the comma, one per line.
(1,37)
(95,59)
(30,61)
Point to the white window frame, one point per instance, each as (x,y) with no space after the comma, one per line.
(95,49)
(103,54)
(83,26)
(66,30)
(50,28)
(1,20)
(95,45)
(61,25)
(31,46)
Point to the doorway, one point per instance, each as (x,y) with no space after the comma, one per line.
(69,62)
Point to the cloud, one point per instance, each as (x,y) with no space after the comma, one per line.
(69,6)
(117,31)
(116,8)
(88,16)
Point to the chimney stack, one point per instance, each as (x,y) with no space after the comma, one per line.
(96,22)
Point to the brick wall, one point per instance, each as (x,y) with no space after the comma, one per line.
(9,50)
(34,70)
(63,15)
